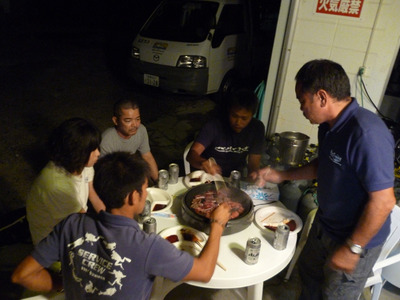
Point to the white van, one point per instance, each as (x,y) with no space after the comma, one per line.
(200,47)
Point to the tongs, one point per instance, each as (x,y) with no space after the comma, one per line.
(218,179)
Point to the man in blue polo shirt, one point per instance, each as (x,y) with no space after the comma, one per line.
(355,173)
(108,255)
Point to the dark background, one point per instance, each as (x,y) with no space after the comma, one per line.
(62,59)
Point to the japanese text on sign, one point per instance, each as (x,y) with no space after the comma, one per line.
(349,8)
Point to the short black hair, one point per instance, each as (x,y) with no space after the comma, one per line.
(243,98)
(117,175)
(324,74)
(125,103)
(72,142)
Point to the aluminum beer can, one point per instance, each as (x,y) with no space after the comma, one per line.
(150,225)
(173,173)
(281,237)
(163,177)
(252,251)
(234,179)
(146,211)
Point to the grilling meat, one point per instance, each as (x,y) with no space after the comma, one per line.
(205,203)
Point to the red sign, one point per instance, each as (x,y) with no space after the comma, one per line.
(348,8)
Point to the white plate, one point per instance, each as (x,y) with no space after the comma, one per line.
(275,215)
(201,175)
(159,196)
(181,243)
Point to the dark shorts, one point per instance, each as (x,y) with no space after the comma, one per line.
(319,281)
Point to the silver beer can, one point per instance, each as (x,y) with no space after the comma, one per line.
(173,173)
(150,225)
(252,251)
(146,211)
(281,237)
(234,179)
(163,177)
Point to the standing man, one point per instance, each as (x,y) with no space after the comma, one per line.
(108,254)
(128,134)
(232,139)
(355,173)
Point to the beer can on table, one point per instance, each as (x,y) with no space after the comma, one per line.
(173,173)
(252,251)
(163,177)
(146,211)
(234,179)
(281,237)
(150,225)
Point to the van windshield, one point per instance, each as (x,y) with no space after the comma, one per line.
(182,21)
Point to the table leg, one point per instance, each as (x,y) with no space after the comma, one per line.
(255,292)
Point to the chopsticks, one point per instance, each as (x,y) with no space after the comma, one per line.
(267,217)
(218,263)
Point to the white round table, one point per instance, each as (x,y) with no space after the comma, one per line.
(231,255)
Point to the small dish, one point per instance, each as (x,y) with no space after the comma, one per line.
(160,199)
(196,178)
(273,216)
(185,238)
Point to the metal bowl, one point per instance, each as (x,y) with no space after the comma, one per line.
(195,220)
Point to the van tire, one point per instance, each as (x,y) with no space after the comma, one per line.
(227,85)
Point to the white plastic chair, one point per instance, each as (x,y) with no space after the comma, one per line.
(387,263)
(302,241)
(185,162)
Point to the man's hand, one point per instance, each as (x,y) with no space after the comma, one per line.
(211,167)
(266,175)
(222,214)
(345,260)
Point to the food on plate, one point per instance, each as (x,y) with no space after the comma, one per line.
(289,222)
(173,238)
(159,207)
(188,235)
(195,179)
(205,203)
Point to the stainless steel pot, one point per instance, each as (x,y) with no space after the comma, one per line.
(292,147)
(195,220)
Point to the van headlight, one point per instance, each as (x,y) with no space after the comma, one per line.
(191,61)
(135,53)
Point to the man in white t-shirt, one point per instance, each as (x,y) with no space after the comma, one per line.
(128,134)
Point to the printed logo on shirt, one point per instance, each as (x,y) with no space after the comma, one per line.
(87,266)
(335,158)
(231,149)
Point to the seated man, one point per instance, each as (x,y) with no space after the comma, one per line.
(232,139)
(108,254)
(128,134)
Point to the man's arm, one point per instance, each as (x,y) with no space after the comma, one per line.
(204,265)
(378,208)
(31,275)
(253,163)
(97,204)
(197,161)
(149,158)
(268,174)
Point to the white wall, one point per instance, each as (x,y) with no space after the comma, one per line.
(371,41)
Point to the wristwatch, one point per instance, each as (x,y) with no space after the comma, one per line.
(355,248)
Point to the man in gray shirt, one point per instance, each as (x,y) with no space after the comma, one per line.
(128,134)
